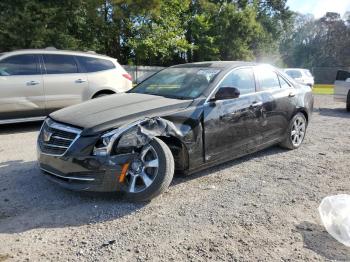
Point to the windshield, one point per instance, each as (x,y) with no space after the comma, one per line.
(181,83)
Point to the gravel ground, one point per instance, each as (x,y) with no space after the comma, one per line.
(260,207)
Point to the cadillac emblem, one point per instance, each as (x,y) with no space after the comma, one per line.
(47,135)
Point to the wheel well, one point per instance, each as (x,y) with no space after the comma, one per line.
(105,91)
(305,114)
(179,151)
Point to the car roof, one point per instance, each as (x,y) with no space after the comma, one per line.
(217,64)
(57,51)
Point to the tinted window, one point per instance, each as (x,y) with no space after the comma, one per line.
(91,64)
(284,83)
(294,73)
(19,65)
(268,79)
(60,64)
(242,79)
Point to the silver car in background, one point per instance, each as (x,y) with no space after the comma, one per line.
(34,83)
(301,75)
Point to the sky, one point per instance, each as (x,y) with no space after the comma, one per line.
(319,7)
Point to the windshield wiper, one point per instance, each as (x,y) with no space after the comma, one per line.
(170,96)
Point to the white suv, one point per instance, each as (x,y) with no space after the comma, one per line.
(301,75)
(33,83)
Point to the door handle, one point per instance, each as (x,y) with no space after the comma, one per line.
(33,83)
(256,104)
(291,94)
(79,81)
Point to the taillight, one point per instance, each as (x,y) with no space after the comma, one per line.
(127,76)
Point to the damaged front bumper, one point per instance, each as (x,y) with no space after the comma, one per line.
(99,174)
(73,161)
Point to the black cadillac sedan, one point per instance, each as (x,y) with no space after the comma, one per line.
(182,119)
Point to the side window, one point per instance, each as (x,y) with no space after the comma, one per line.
(60,64)
(92,64)
(242,79)
(294,73)
(268,79)
(19,65)
(283,83)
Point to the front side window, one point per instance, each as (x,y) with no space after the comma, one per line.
(92,64)
(178,82)
(268,79)
(283,83)
(242,79)
(60,64)
(19,65)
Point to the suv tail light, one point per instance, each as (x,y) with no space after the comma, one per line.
(127,76)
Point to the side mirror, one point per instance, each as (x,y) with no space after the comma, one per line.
(227,93)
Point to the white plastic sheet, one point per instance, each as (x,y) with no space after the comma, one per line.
(335,215)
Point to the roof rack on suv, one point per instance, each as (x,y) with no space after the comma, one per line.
(50,48)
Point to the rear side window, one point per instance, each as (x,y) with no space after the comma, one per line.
(342,75)
(307,72)
(19,65)
(91,64)
(294,73)
(60,64)
(268,79)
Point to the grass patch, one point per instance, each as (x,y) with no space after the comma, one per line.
(323,89)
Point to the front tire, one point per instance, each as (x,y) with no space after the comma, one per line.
(348,102)
(295,133)
(151,173)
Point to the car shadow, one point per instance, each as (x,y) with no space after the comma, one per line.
(28,201)
(333,112)
(181,178)
(317,239)
(20,128)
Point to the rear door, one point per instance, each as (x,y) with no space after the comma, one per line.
(279,103)
(64,81)
(21,87)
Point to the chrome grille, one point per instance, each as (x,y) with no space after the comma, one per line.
(56,138)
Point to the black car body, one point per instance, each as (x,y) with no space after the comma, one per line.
(200,131)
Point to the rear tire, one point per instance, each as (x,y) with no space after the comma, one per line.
(295,133)
(348,102)
(160,181)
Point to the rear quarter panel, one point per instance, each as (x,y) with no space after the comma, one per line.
(305,100)
(111,80)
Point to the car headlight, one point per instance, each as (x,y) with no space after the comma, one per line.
(105,143)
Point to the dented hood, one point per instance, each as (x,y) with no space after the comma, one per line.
(102,114)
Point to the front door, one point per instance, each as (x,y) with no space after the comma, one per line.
(21,87)
(64,83)
(231,125)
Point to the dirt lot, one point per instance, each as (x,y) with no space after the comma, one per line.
(260,207)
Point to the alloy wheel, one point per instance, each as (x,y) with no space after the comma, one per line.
(298,131)
(142,170)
